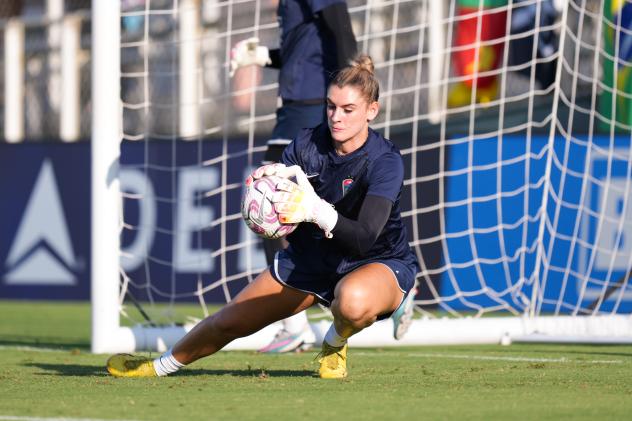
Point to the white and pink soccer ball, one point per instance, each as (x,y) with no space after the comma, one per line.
(258,211)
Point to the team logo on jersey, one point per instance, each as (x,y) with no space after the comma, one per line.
(346,185)
(42,252)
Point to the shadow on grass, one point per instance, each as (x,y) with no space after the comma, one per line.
(49,343)
(248,373)
(77,370)
(71,370)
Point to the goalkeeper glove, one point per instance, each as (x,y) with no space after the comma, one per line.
(280,170)
(248,52)
(298,202)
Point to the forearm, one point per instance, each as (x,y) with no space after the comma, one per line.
(358,236)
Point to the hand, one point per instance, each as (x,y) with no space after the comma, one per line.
(298,202)
(248,52)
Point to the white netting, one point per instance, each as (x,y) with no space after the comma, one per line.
(517,185)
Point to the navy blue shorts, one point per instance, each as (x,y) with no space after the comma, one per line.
(322,285)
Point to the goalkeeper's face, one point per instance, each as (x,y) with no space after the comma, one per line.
(349,114)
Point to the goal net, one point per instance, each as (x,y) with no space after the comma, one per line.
(514,119)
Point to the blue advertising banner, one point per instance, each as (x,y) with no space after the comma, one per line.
(182,230)
(578,265)
(171,248)
(45,221)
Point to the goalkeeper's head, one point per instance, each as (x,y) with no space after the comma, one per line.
(352,103)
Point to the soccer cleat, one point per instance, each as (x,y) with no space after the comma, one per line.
(127,365)
(333,362)
(285,341)
(403,316)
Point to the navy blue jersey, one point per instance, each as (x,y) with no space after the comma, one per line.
(308,50)
(376,169)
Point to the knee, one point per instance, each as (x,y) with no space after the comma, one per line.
(353,307)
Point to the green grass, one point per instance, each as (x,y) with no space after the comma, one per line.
(47,371)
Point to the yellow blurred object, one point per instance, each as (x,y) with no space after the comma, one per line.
(461,94)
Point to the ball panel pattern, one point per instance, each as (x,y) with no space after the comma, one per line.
(258,211)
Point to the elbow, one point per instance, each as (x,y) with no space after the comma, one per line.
(363,244)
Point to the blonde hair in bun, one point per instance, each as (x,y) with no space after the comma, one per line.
(360,74)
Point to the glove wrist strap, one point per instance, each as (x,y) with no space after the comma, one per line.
(262,56)
(326,217)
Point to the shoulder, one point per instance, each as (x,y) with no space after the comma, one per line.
(386,166)
(389,166)
(383,153)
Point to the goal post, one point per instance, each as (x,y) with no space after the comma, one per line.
(517,153)
(107,335)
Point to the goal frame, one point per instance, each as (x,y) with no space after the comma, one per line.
(107,333)
(109,336)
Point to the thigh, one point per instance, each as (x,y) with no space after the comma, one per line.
(374,285)
(265,301)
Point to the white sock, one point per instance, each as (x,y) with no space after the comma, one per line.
(296,323)
(167,364)
(333,338)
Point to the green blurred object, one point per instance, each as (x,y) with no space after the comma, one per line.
(617,77)
(485,3)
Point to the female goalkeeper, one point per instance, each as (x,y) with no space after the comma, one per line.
(353,257)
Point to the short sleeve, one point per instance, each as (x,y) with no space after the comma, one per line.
(386,177)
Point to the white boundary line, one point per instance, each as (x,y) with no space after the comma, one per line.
(492,358)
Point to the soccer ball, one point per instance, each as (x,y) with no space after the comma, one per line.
(258,211)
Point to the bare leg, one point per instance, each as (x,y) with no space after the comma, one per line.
(363,295)
(261,303)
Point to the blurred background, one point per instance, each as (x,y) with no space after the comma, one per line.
(49,49)
(494,104)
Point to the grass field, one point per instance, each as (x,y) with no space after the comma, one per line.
(48,372)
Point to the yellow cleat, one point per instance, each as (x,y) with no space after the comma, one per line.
(333,362)
(127,365)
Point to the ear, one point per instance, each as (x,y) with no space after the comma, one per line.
(372,111)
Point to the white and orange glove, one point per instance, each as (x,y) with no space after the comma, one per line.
(248,52)
(280,170)
(298,202)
